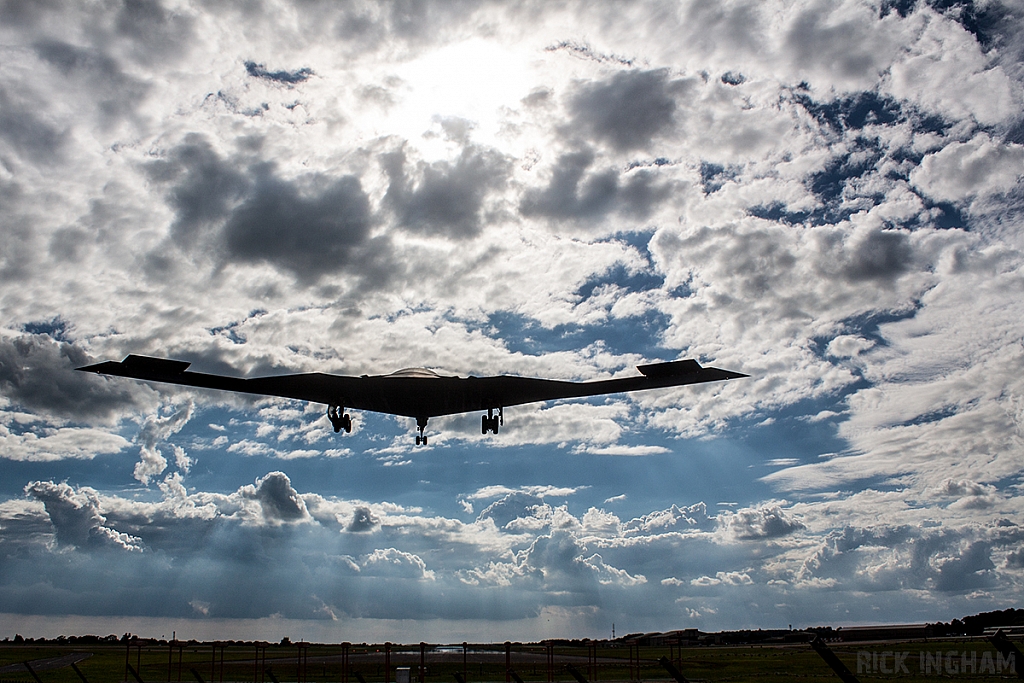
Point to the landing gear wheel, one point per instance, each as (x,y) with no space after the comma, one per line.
(490,421)
(421,424)
(339,419)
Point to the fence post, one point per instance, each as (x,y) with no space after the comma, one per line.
(575,674)
(1008,650)
(32,671)
(671,668)
(132,671)
(79,672)
(845,675)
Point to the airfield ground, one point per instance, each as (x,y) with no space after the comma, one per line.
(598,662)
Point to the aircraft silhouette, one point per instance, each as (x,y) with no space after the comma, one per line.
(415,392)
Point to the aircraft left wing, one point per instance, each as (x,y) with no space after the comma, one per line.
(416,393)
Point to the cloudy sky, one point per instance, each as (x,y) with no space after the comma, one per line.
(823,195)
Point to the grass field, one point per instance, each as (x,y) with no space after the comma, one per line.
(963,659)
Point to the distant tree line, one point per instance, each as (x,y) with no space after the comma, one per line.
(968,626)
(976,625)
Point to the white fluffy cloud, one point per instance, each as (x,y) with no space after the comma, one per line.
(962,170)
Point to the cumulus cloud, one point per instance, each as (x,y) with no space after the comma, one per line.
(76,518)
(574,193)
(765,523)
(728,578)
(673,519)
(444,198)
(389,562)
(278,500)
(308,227)
(887,557)
(363,519)
(629,109)
(962,170)
(308,235)
(968,494)
(847,346)
(511,507)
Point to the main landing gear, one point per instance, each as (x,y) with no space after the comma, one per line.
(421,423)
(339,419)
(490,422)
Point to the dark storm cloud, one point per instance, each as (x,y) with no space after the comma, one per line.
(31,136)
(574,193)
(869,255)
(629,110)
(970,569)
(308,227)
(205,186)
(279,501)
(1015,560)
(813,38)
(37,373)
(362,520)
(309,235)
(568,195)
(444,198)
(288,77)
(949,559)
(760,524)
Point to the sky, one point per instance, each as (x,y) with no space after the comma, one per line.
(825,196)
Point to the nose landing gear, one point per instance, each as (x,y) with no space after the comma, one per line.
(490,422)
(339,419)
(421,423)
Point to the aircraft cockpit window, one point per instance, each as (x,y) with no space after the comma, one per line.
(413,372)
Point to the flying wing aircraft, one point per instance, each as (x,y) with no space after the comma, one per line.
(415,392)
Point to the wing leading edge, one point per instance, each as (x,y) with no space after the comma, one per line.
(413,393)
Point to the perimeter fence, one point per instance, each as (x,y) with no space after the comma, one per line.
(152,661)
